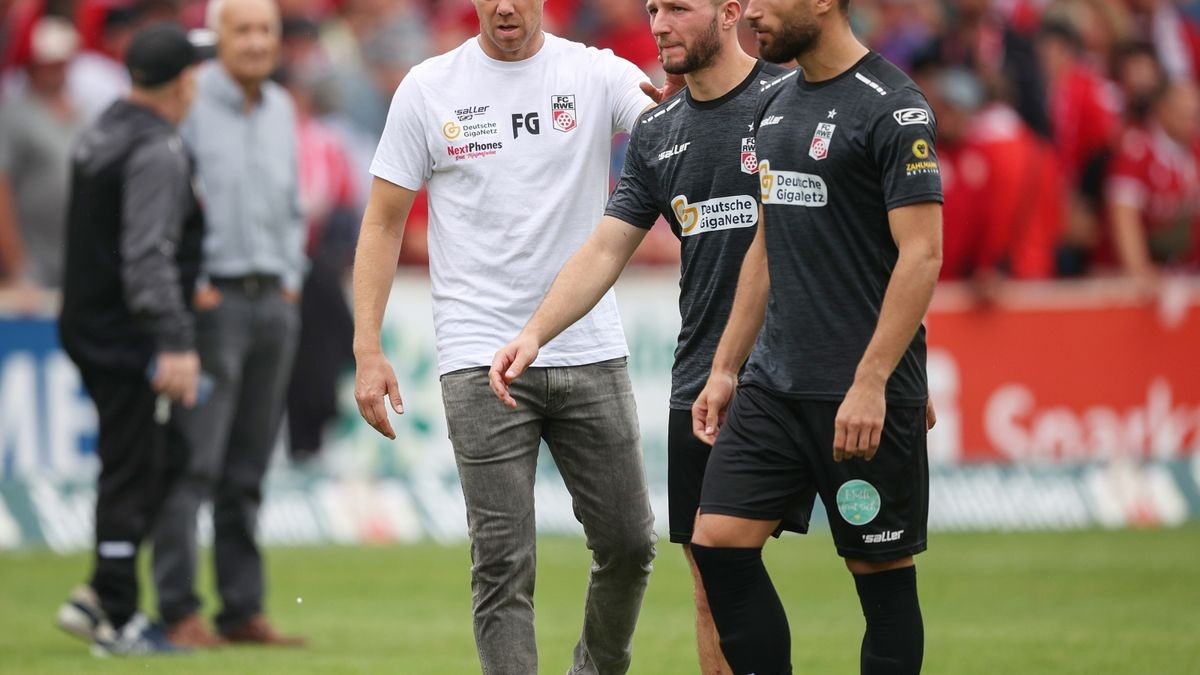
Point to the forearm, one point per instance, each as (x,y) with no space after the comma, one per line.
(584,279)
(1129,239)
(749,310)
(12,251)
(374,271)
(905,302)
(379,241)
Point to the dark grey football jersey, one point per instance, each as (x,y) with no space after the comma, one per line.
(694,163)
(834,157)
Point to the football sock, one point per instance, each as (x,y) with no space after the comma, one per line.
(894,643)
(746,610)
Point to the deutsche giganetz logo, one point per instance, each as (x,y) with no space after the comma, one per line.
(687,215)
(858,502)
(451,130)
(766,179)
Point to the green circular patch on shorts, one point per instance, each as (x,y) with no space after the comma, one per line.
(858,502)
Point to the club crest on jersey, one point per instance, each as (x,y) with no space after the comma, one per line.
(562,112)
(820,141)
(749,157)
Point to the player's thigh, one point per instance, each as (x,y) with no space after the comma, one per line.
(878,510)
(686,458)
(757,470)
(495,448)
(592,431)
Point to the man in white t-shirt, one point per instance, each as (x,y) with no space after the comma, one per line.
(511,134)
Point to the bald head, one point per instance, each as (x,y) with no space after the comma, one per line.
(247,38)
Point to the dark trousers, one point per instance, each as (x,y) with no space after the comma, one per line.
(247,345)
(140,458)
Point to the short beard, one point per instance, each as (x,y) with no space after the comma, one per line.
(700,55)
(791,42)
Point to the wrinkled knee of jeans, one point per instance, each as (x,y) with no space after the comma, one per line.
(632,551)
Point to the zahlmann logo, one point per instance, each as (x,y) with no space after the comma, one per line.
(710,215)
(791,188)
(474,150)
(882,537)
(470,112)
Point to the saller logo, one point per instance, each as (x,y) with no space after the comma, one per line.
(907,116)
(882,537)
(674,150)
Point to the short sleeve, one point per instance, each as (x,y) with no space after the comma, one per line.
(902,141)
(624,91)
(402,157)
(633,199)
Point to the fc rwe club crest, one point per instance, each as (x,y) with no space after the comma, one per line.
(749,156)
(820,142)
(562,112)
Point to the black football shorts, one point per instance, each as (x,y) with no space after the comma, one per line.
(775,453)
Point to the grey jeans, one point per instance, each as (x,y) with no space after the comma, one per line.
(247,344)
(588,418)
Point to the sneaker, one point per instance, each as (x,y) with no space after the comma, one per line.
(191,633)
(139,637)
(82,616)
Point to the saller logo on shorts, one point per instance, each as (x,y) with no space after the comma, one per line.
(791,188)
(858,501)
(882,537)
(710,215)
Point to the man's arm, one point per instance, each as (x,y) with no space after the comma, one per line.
(580,284)
(378,248)
(12,250)
(917,231)
(745,321)
(1129,239)
(151,227)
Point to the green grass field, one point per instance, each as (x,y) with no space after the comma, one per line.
(1092,602)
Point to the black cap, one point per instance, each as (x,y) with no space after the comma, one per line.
(158,54)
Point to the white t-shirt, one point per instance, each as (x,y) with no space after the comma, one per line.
(516,157)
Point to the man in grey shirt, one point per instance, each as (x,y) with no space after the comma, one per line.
(242,132)
(37,128)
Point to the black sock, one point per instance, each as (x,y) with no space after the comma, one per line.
(746,610)
(894,643)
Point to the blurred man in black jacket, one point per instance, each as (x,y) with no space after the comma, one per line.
(133,251)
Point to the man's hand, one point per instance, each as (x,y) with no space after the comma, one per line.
(859,422)
(373,380)
(206,298)
(710,408)
(177,375)
(290,296)
(930,415)
(509,363)
(672,86)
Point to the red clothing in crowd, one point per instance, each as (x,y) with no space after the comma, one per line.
(1085,115)
(1004,204)
(1157,176)
(326,180)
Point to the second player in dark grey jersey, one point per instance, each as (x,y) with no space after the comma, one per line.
(831,297)
(692,161)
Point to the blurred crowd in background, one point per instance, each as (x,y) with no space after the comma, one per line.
(1068,139)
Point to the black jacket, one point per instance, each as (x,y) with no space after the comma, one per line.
(134,243)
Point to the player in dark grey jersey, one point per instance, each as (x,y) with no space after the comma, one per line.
(834,288)
(691,160)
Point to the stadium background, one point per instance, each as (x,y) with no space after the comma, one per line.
(1068,394)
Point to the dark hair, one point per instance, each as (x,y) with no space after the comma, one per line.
(1063,30)
(1139,107)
